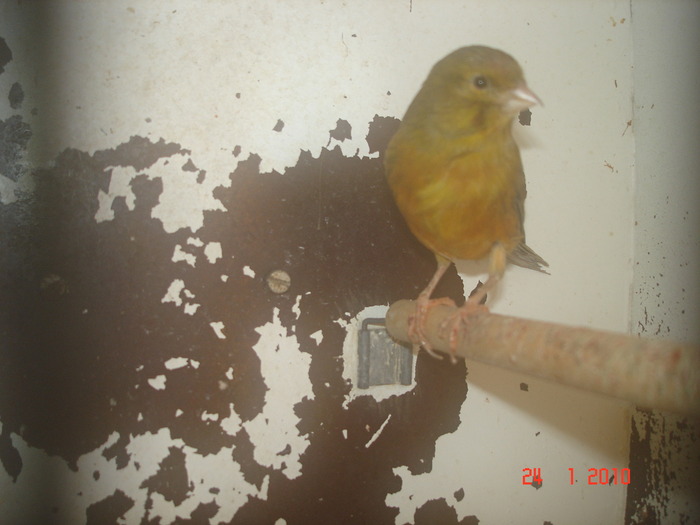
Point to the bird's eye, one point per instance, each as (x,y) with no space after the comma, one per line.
(480,82)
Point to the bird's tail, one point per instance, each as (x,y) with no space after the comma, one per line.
(525,256)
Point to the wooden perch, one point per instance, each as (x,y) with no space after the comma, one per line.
(651,374)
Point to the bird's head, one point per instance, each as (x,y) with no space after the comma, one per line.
(483,78)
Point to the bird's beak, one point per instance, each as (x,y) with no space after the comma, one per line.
(522,98)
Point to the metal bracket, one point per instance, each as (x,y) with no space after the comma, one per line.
(381,359)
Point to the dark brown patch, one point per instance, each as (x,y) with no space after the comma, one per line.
(74,351)
(118,451)
(16,96)
(342,130)
(332,225)
(525,117)
(110,509)
(438,511)
(202,514)
(5,55)
(80,355)
(655,472)
(171,480)
(9,455)
(189,166)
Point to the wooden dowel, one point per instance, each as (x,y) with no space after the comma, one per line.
(651,374)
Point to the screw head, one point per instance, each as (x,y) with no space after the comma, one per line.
(279,281)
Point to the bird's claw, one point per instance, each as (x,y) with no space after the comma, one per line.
(455,322)
(416,324)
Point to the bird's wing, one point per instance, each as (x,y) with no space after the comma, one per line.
(523,255)
(526,257)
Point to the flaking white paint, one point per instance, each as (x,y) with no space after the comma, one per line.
(191,308)
(285,371)
(172,295)
(180,205)
(158,382)
(295,307)
(378,433)
(180,255)
(218,328)
(10,190)
(73,491)
(213,251)
(176,362)
(317,336)
(206,416)
(232,423)
(120,178)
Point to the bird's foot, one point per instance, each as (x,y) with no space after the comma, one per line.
(416,323)
(453,325)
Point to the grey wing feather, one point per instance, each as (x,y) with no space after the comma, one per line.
(525,256)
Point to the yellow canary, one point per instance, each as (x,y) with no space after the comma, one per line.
(456,174)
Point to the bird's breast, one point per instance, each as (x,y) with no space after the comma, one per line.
(460,206)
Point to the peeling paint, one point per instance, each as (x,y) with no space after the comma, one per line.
(181,204)
(206,416)
(317,336)
(191,308)
(146,455)
(285,370)
(295,307)
(218,328)
(176,362)
(119,186)
(158,382)
(213,251)
(378,432)
(180,255)
(664,455)
(172,295)
(231,424)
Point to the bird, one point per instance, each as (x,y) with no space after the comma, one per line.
(457,178)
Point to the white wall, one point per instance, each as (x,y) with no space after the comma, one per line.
(172,70)
(666,289)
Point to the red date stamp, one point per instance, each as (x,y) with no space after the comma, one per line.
(596,476)
(532,476)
